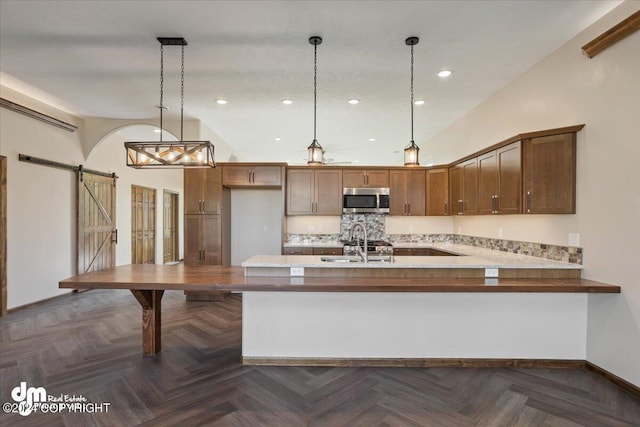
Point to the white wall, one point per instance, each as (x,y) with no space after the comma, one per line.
(567,88)
(109,156)
(256,223)
(41,236)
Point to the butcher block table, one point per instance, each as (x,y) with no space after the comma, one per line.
(148,283)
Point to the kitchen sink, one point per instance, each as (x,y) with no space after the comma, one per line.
(357,259)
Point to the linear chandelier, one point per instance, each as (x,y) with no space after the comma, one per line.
(170,154)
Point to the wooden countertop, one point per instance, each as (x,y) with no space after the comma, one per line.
(220,278)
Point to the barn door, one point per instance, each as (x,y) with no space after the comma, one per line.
(97,233)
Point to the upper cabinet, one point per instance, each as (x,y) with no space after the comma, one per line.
(252,176)
(500,180)
(203,191)
(407,192)
(463,187)
(312,191)
(550,174)
(437,192)
(365,178)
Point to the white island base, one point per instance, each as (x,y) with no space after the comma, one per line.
(307,328)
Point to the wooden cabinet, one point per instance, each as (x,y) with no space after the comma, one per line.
(365,178)
(203,191)
(203,242)
(252,176)
(500,181)
(307,250)
(420,252)
(314,191)
(463,188)
(437,203)
(407,192)
(549,174)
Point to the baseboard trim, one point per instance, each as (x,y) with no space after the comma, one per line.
(622,383)
(415,362)
(31,304)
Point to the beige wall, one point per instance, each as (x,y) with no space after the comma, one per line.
(567,88)
(40,202)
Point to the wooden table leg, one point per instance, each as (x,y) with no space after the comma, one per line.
(151,328)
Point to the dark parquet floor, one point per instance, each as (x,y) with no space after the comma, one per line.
(89,344)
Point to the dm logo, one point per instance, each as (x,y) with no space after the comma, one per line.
(26,397)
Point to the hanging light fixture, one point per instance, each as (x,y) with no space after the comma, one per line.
(315,149)
(170,154)
(411,150)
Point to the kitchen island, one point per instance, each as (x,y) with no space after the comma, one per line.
(328,319)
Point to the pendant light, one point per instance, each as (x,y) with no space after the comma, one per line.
(170,154)
(411,150)
(315,149)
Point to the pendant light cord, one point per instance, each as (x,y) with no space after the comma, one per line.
(315,86)
(182,97)
(161,86)
(411,93)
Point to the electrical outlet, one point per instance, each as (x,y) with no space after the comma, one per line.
(490,272)
(411,229)
(459,230)
(311,228)
(296,271)
(499,233)
(574,239)
(266,228)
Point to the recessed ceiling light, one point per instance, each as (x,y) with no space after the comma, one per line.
(221,101)
(372,139)
(419,102)
(157,130)
(276,139)
(353,101)
(444,73)
(356,161)
(287,101)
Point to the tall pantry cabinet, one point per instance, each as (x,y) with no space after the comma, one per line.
(206,225)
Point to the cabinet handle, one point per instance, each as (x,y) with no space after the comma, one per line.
(409,208)
(460,207)
(497,202)
(366,179)
(445,208)
(203,206)
(115,236)
(528,201)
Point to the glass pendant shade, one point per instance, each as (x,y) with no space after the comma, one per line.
(411,155)
(315,153)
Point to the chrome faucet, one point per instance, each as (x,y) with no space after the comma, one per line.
(360,251)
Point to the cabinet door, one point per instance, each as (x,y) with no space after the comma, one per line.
(212,201)
(550,174)
(487,183)
(455,190)
(266,176)
(300,192)
(297,251)
(328,192)
(415,193)
(353,178)
(470,187)
(509,199)
(236,175)
(377,178)
(193,190)
(397,192)
(192,240)
(437,192)
(327,251)
(211,239)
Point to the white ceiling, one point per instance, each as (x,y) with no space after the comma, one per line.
(101,59)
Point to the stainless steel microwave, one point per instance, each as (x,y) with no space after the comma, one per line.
(365,200)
